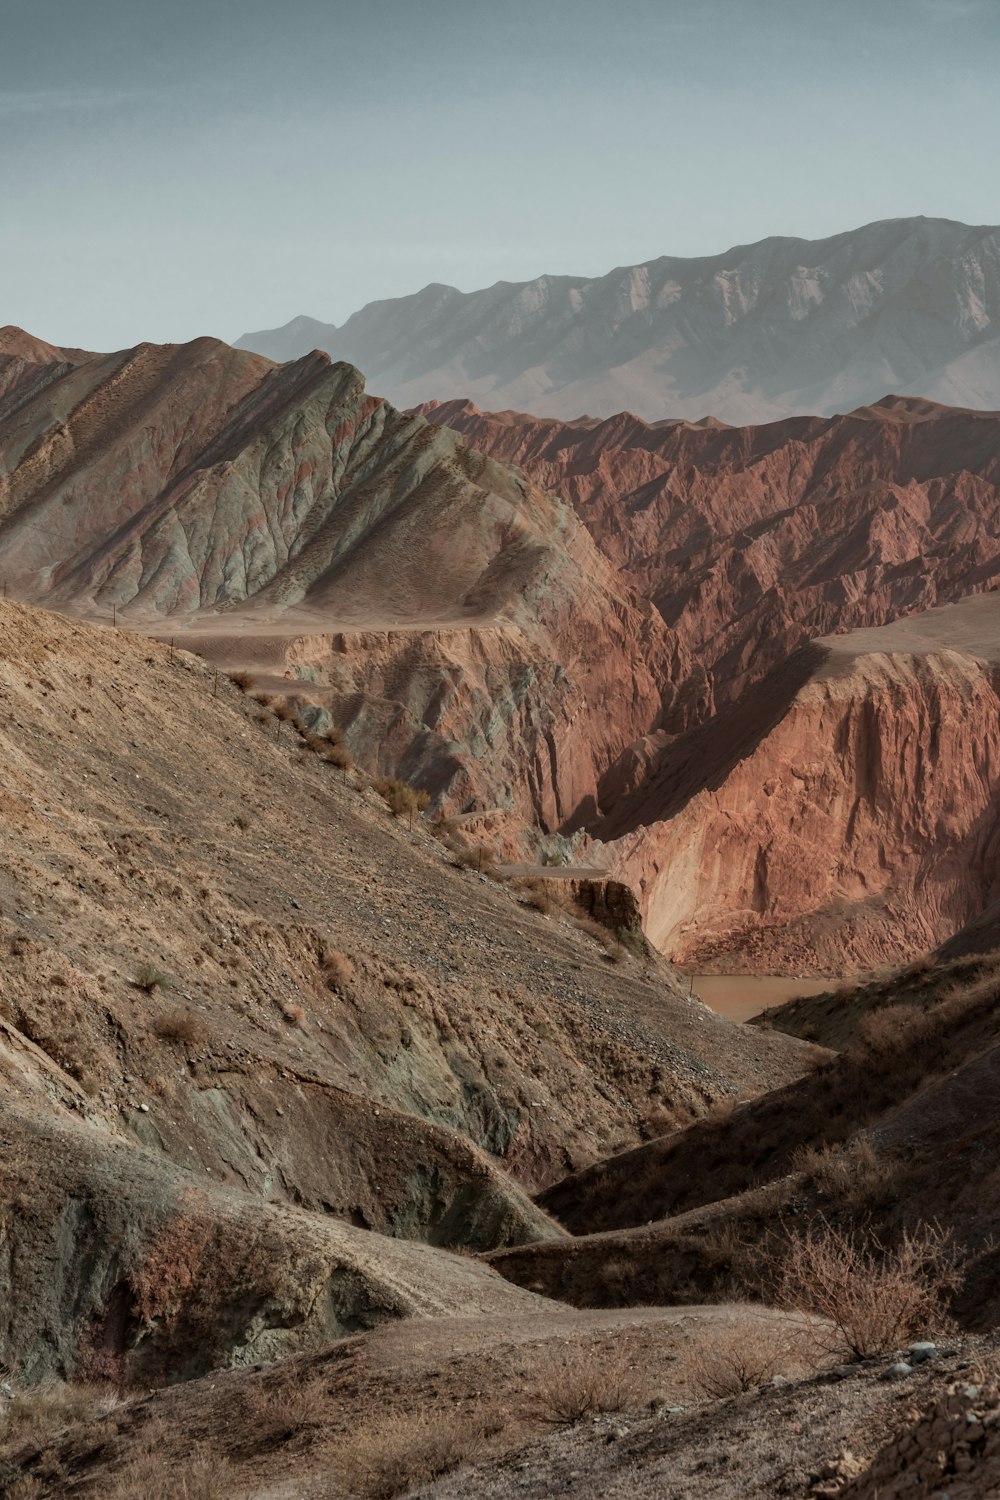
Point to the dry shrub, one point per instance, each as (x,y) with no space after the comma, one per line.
(481,859)
(243,680)
(204,1475)
(336,968)
(149,978)
(864,1297)
(401,798)
(288,1409)
(181,1024)
(577,1383)
(35,1414)
(25,1487)
(444,828)
(536,893)
(742,1354)
(593,929)
(854,1175)
(283,710)
(882,1030)
(338,755)
(409,1450)
(295,1014)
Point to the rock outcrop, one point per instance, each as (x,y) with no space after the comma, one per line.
(755,334)
(857,823)
(752,541)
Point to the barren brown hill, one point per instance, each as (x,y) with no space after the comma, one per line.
(780,803)
(242,1006)
(898,1130)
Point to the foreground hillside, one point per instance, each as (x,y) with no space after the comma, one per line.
(896,1131)
(754,334)
(249,1020)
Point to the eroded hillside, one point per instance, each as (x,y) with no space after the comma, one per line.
(242,1005)
(471,633)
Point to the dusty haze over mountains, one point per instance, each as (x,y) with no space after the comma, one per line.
(910,306)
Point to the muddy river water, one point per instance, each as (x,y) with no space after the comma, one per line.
(740,996)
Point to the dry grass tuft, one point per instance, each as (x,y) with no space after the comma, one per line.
(401,798)
(338,755)
(482,859)
(406,1451)
(243,680)
(294,1014)
(205,1475)
(36,1414)
(854,1175)
(149,978)
(337,969)
(181,1024)
(536,892)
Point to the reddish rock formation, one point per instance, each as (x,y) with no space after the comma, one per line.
(751,541)
(856,822)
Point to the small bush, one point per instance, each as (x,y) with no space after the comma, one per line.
(243,680)
(295,1014)
(884,1030)
(854,1175)
(480,859)
(579,1383)
(204,1475)
(865,1297)
(149,978)
(401,798)
(536,893)
(740,1355)
(407,1451)
(180,1025)
(337,969)
(338,755)
(37,1413)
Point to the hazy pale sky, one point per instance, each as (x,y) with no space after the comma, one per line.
(177,167)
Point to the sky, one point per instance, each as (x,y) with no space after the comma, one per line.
(170,168)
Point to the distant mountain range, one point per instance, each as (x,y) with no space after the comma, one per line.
(782,327)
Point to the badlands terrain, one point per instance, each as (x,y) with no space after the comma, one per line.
(759,332)
(625,653)
(372,785)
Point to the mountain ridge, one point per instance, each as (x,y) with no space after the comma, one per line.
(779,327)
